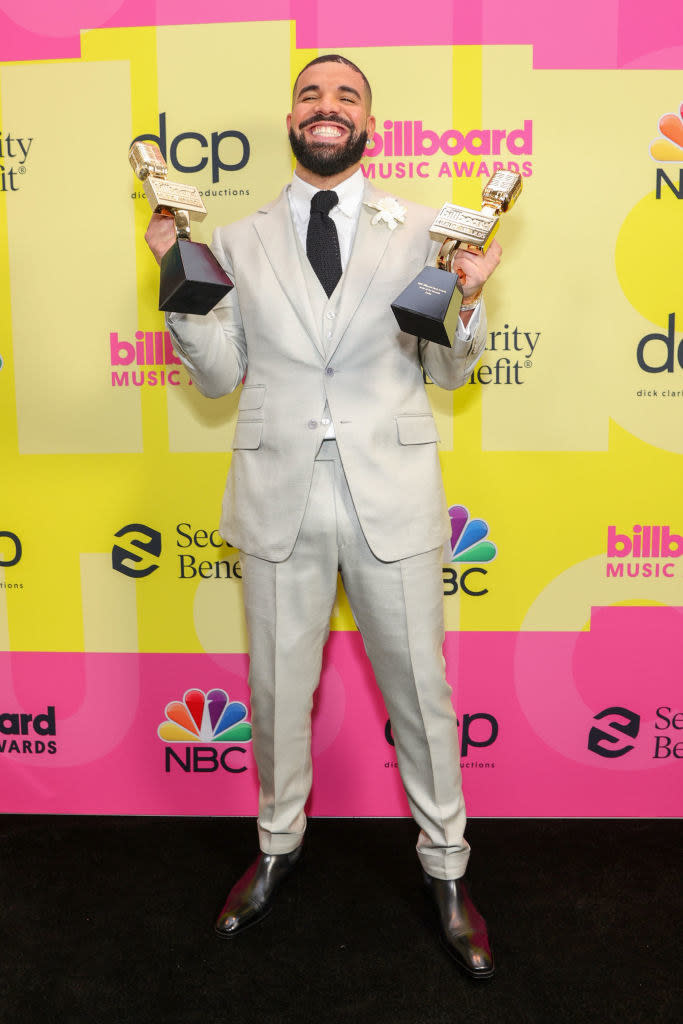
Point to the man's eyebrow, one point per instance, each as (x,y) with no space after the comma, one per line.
(316,88)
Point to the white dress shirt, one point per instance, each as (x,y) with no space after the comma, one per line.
(345,214)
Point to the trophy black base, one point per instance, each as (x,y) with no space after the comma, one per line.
(192,279)
(430,306)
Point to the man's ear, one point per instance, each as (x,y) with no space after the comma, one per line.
(289,122)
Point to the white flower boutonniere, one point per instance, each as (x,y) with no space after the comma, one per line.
(390,212)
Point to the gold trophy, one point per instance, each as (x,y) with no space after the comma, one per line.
(192,279)
(430,306)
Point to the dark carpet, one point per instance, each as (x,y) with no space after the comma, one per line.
(109,920)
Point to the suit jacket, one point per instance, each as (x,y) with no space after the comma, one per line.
(370,375)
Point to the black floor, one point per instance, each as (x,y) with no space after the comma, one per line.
(110,920)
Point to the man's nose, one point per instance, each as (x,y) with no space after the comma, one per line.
(328,103)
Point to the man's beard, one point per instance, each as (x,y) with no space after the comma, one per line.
(325,160)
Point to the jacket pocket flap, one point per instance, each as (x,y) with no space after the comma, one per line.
(252,397)
(416,429)
(248,434)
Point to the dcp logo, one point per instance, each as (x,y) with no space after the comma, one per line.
(10,551)
(196,149)
(607,744)
(472,733)
(660,358)
(127,561)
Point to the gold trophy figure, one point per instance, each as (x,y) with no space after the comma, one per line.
(430,306)
(192,279)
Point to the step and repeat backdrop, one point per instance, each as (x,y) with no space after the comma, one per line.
(123,655)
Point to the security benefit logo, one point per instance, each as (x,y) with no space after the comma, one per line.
(213,728)
(617,730)
(14,155)
(23,733)
(610,739)
(138,552)
(469,546)
(478,732)
(508,354)
(126,557)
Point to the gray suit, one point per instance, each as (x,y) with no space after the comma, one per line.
(373,505)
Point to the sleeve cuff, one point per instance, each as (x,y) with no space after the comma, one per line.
(465,333)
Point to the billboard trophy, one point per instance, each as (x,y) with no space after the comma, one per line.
(430,306)
(192,279)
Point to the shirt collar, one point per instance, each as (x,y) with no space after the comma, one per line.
(350,193)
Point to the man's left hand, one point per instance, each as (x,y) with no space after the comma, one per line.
(475,268)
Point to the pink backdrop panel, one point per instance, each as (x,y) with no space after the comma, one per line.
(531,743)
(585,34)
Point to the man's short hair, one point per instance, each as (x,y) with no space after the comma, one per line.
(335,58)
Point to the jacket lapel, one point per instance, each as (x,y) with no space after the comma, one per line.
(276,231)
(368,248)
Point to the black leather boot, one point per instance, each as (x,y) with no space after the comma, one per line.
(251,898)
(463,929)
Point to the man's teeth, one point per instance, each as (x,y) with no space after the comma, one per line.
(325,129)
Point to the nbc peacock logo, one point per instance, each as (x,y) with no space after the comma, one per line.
(469,541)
(205,718)
(668,147)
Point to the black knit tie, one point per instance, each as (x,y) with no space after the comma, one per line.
(322,242)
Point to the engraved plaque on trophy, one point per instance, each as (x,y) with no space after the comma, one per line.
(192,279)
(430,306)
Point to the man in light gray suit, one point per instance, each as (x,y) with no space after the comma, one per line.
(335,468)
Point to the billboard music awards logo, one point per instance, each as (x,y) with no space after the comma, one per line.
(14,151)
(502,149)
(647,551)
(206,718)
(617,726)
(191,152)
(144,361)
(469,545)
(22,733)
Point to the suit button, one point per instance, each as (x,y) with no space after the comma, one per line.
(312,424)
(330,315)
(329,372)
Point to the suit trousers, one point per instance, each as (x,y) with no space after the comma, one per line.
(398,608)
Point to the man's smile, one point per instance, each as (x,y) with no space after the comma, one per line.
(325,129)
(329,131)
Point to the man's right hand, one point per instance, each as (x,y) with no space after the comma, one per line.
(160,234)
